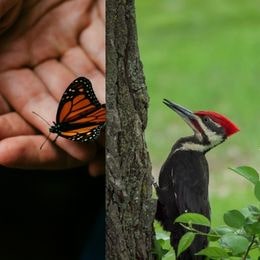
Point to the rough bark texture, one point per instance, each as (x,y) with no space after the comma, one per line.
(130,208)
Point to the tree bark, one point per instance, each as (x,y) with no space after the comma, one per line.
(129,204)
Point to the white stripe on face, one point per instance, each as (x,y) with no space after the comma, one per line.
(213,138)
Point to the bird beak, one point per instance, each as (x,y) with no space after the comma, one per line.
(188,116)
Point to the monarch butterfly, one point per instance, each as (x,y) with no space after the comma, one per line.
(80,117)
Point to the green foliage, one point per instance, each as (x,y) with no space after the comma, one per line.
(162,247)
(213,252)
(237,239)
(170,255)
(193,218)
(238,244)
(257,190)
(247,172)
(185,242)
(234,218)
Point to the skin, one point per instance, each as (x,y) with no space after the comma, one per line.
(44,46)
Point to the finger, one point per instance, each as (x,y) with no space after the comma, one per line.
(81,151)
(101,10)
(9,11)
(23,152)
(39,100)
(13,124)
(92,40)
(4,106)
(55,76)
(78,62)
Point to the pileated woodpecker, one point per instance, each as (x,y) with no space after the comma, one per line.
(184,177)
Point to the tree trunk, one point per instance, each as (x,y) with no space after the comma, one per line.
(130,208)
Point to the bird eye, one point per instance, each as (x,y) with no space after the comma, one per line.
(205,119)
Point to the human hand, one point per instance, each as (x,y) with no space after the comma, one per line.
(50,44)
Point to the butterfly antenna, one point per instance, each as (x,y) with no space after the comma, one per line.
(42,118)
(45,141)
(47,124)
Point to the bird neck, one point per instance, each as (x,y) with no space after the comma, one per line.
(196,143)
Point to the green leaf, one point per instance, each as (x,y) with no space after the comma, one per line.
(213,235)
(213,252)
(162,235)
(193,218)
(157,249)
(253,209)
(246,212)
(222,230)
(247,172)
(185,242)
(170,255)
(166,245)
(158,227)
(237,244)
(257,190)
(234,218)
(253,228)
(251,213)
(161,241)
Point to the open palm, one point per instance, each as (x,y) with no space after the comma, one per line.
(47,47)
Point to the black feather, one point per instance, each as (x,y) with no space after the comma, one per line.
(183,187)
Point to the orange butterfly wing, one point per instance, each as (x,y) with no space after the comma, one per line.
(80,116)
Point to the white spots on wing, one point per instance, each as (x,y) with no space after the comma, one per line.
(77,88)
(92,135)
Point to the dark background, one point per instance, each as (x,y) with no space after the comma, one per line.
(51,215)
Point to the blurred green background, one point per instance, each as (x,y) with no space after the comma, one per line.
(204,55)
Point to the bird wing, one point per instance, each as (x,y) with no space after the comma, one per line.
(183,187)
(191,184)
(183,184)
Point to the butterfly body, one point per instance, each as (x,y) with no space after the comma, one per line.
(63,129)
(80,117)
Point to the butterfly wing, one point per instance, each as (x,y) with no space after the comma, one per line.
(80,116)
